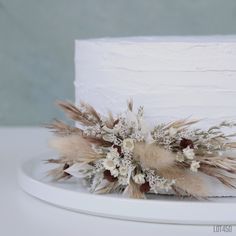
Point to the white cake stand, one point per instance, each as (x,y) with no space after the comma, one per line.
(158,209)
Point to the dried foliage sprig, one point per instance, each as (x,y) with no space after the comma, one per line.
(62,129)
(121,154)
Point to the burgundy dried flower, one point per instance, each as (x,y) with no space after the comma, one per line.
(144,188)
(184,143)
(108,176)
(118,148)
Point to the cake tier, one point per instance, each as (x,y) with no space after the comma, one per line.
(172,77)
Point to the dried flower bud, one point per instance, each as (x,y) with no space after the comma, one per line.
(144,188)
(116,122)
(66,166)
(184,143)
(118,148)
(108,176)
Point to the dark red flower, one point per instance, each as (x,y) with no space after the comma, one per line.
(118,148)
(108,176)
(184,143)
(144,188)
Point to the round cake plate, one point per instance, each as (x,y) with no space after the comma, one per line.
(71,195)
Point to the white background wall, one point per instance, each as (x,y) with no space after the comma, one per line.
(37,42)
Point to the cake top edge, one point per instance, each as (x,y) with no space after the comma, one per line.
(161,39)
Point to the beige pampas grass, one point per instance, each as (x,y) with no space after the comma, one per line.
(156,157)
(74,148)
(186,182)
(227,178)
(62,129)
(181,124)
(130,104)
(85,114)
(153,156)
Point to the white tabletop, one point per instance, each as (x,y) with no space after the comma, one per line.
(23,215)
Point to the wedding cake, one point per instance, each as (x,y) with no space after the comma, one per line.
(172,77)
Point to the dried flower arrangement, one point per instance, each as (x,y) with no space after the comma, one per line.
(122,155)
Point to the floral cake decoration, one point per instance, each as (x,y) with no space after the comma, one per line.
(122,154)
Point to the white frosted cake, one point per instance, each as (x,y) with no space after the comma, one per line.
(172,77)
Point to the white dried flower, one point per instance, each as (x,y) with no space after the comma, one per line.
(139,179)
(109,164)
(109,137)
(172,131)
(123,180)
(188,153)
(162,184)
(128,144)
(194,166)
(114,172)
(113,154)
(123,170)
(138,136)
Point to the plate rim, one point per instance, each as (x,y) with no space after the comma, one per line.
(195,212)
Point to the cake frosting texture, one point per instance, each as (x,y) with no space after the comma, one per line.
(172,77)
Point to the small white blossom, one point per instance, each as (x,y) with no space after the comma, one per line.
(123,170)
(194,166)
(113,154)
(109,164)
(172,131)
(139,179)
(123,180)
(162,184)
(109,137)
(114,172)
(128,144)
(99,165)
(188,153)
(112,159)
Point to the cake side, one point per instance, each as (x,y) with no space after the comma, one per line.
(171,77)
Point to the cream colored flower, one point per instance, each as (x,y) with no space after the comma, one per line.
(108,137)
(114,172)
(188,153)
(172,131)
(113,154)
(194,166)
(109,164)
(128,144)
(139,179)
(123,170)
